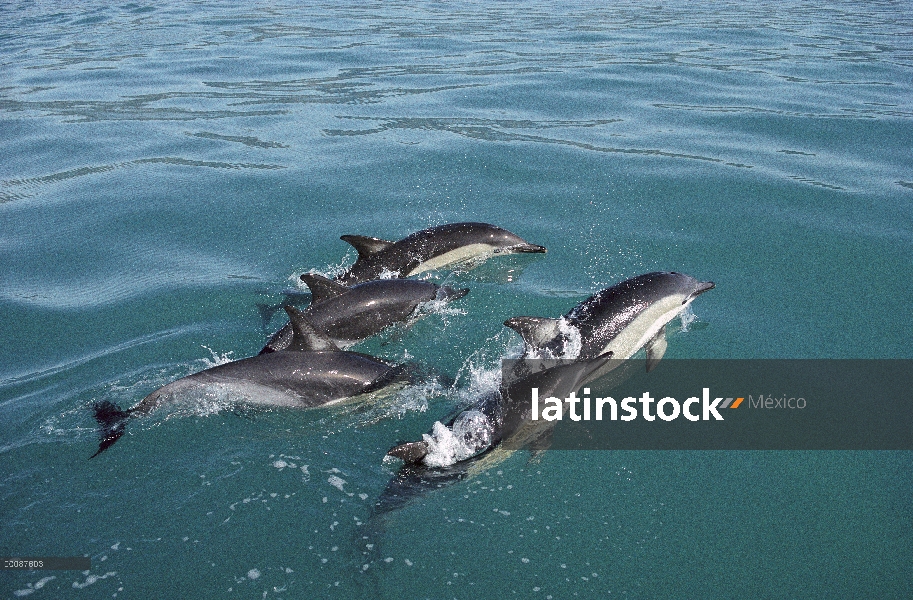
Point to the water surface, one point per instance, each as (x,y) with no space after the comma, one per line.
(169,169)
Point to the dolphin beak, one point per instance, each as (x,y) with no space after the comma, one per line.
(449,293)
(410,453)
(530,248)
(702,287)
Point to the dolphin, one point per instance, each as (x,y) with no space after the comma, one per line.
(346,315)
(484,433)
(430,249)
(501,417)
(311,372)
(620,319)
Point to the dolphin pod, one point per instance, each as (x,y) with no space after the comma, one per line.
(304,364)
(612,324)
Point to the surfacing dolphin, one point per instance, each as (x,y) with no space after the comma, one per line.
(620,319)
(430,249)
(501,416)
(311,372)
(346,315)
(484,433)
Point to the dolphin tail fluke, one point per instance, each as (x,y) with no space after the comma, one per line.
(266,313)
(112,423)
(537,332)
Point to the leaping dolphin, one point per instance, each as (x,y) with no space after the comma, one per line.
(311,372)
(348,314)
(430,249)
(620,319)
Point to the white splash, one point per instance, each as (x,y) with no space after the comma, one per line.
(471,433)
(688,317)
(483,367)
(31,587)
(414,398)
(337,482)
(93,579)
(330,272)
(572,341)
(437,306)
(571,344)
(216,358)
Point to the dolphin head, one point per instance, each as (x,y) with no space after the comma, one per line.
(528,248)
(699,288)
(668,284)
(500,239)
(518,246)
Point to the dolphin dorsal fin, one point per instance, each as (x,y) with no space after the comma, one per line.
(535,331)
(305,337)
(411,452)
(656,347)
(322,288)
(366,246)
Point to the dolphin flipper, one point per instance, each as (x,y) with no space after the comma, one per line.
(656,347)
(112,423)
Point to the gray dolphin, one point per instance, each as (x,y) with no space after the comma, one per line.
(348,314)
(620,319)
(501,417)
(311,372)
(430,249)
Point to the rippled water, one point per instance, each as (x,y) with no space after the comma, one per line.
(168,170)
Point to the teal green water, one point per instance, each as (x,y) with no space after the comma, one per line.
(166,168)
